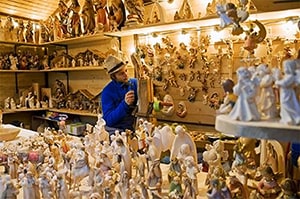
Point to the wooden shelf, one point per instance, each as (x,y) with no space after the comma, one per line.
(79,68)
(64,42)
(9,111)
(74,112)
(161,27)
(196,23)
(44,118)
(80,40)
(23,71)
(67,111)
(21,43)
(270,130)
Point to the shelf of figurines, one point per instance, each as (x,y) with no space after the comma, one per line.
(262,105)
(11,111)
(196,23)
(263,129)
(61,69)
(65,41)
(130,165)
(73,112)
(66,111)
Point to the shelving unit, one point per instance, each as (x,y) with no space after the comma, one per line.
(22,79)
(202,22)
(72,44)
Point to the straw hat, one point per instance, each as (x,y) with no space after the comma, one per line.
(113,64)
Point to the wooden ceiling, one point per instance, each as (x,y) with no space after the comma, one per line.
(28,9)
(42,9)
(275,5)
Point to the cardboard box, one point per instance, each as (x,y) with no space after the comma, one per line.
(76,129)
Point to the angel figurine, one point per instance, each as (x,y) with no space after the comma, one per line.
(289,104)
(183,142)
(245,108)
(267,100)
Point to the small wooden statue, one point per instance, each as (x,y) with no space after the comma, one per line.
(229,99)
(268,185)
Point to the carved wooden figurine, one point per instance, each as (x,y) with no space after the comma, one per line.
(268,185)
(88,17)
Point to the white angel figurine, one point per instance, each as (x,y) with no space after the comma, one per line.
(245,108)
(183,138)
(267,99)
(289,104)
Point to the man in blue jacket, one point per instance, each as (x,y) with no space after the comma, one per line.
(119,97)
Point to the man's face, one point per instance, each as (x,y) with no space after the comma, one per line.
(122,75)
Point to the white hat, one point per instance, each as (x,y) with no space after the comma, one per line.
(113,64)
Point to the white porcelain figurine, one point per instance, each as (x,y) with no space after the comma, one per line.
(245,108)
(289,104)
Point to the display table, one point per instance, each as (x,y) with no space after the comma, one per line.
(23,132)
(269,130)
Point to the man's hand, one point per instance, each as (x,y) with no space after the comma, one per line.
(129,97)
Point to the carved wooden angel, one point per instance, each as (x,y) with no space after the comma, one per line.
(183,142)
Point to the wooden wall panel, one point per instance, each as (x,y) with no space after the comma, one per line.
(7,86)
(93,81)
(25,80)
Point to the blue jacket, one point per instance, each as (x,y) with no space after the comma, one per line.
(116,113)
